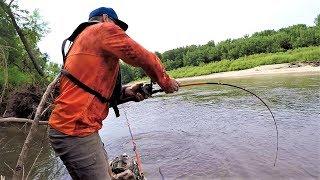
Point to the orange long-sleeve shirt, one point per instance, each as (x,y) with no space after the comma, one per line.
(94,60)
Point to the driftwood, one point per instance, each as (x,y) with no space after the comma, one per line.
(19,169)
(20,120)
(31,55)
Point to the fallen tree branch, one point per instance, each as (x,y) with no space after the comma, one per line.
(19,169)
(20,120)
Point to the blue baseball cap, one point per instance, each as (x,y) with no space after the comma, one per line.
(111,14)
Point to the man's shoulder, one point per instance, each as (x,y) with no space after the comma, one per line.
(107,26)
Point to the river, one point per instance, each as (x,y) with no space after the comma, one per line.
(206,132)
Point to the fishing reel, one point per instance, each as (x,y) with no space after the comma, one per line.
(148,89)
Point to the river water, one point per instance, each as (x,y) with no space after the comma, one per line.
(206,132)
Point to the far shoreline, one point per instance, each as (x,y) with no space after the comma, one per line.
(274,69)
(265,70)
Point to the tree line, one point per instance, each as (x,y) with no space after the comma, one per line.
(267,41)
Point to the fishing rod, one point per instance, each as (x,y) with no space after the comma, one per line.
(148,89)
(135,150)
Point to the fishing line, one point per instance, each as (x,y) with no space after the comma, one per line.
(162,176)
(138,157)
(151,91)
(238,87)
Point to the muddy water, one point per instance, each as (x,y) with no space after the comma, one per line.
(207,132)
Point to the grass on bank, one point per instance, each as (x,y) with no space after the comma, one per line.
(308,54)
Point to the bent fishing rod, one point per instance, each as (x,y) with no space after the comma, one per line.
(148,89)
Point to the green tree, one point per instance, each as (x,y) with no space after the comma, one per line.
(317,20)
(211,43)
(127,74)
(267,41)
(21,70)
(158,54)
(33,29)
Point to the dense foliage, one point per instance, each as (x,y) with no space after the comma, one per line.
(17,71)
(304,55)
(268,41)
(20,68)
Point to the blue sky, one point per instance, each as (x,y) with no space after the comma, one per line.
(161,25)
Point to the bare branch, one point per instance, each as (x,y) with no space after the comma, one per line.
(22,178)
(20,120)
(45,110)
(34,162)
(8,142)
(34,127)
(2,177)
(10,3)
(4,113)
(9,166)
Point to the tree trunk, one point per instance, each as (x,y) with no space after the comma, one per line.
(8,11)
(19,169)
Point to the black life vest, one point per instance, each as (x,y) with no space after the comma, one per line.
(115,97)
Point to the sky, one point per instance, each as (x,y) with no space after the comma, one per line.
(161,25)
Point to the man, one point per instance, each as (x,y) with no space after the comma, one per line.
(77,116)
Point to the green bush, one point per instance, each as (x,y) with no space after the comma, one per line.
(16,77)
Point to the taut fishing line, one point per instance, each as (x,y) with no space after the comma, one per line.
(149,89)
(234,86)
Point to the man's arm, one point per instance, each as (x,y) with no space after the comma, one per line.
(118,43)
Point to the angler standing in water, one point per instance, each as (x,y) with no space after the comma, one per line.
(90,84)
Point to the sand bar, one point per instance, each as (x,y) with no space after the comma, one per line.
(274,69)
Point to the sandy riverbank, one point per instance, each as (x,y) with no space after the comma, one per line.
(274,69)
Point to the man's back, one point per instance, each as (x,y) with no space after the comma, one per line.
(77,112)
